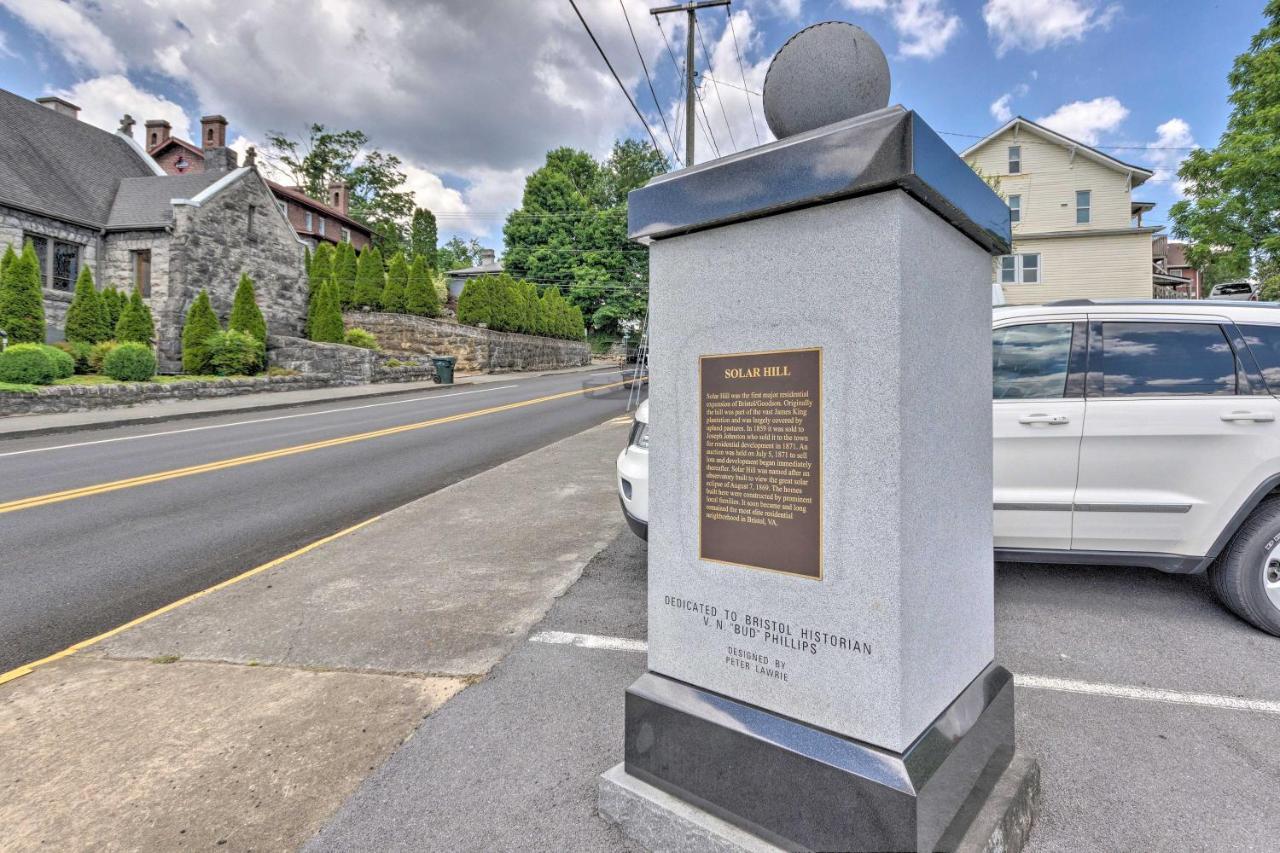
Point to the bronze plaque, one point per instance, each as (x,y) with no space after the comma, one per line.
(760,471)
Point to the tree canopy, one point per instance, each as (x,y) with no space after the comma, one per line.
(1232,212)
(570,231)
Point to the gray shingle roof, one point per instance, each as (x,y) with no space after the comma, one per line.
(145,202)
(59,166)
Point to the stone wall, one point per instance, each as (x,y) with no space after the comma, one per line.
(239,230)
(14,223)
(345,365)
(116,269)
(75,398)
(476,349)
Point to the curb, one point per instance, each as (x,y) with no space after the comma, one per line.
(234,410)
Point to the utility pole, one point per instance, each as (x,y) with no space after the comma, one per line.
(689,97)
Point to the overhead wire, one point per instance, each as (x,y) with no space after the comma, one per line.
(706,55)
(743,69)
(704,122)
(645,67)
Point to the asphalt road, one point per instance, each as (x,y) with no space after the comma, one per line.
(72,569)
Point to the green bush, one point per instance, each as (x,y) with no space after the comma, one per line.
(98,354)
(130,362)
(345,270)
(87,316)
(22,299)
(326,324)
(113,302)
(136,323)
(393,295)
(246,316)
(371,279)
(27,364)
(1270,289)
(200,324)
(360,338)
(420,295)
(64,364)
(79,352)
(233,353)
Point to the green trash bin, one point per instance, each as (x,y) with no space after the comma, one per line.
(444,368)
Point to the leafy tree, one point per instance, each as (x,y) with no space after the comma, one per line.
(136,323)
(393,295)
(246,316)
(423,237)
(87,316)
(420,293)
(377,197)
(1231,213)
(345,271)
(200,325)
(571,231)
(327,324)
(22,299)
(371,279)
(458,254)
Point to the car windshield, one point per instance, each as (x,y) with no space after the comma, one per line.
(1233,288)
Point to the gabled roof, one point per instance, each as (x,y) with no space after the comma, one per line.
(1139,173)
(299,197)
(144,203)
(61,167)
(181,143)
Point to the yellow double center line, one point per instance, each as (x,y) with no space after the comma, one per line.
(208,467)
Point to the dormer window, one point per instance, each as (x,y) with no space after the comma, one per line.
(1015,159)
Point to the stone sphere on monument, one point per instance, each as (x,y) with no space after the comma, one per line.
(825,73)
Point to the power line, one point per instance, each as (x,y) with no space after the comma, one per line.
(742,68)
(639,115)
(705,124)
(707,56)
(649,80)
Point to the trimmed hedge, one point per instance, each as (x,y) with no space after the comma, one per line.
(79,352)
(233,353)
(27,364)
(64,364)
(130,362)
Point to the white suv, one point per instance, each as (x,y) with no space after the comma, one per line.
(1142,433)
(1139,433)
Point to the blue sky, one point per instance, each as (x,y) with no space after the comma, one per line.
(470,95)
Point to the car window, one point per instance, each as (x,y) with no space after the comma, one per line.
(1233,288)
(1264,343)
(1165,359)
(1030,361)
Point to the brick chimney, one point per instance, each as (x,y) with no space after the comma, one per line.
(340,197)
(59,106)
(158,131)
(213,141)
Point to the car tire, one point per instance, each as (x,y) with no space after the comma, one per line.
(1250,566)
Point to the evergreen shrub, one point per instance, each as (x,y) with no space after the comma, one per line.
(27,364)
(130,361)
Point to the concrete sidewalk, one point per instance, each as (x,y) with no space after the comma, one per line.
(245,717)
(21,426)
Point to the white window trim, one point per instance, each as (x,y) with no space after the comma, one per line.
(1012,160)
(284,206)
(1018,273)
(320,231)
(306,220)
(1015,208)
(346,235)
(1088,208)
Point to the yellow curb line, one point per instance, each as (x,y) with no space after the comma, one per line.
(103,488)
(27,669)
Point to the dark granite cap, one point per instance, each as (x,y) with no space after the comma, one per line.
(887,149)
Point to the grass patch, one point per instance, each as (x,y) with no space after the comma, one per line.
(101,379)
(166,659)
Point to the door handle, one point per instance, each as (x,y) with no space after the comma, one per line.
(1052,420)
(1256,417)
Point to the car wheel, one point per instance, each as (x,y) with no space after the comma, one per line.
(1247,577)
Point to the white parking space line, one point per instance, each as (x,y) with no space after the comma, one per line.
(254,421)
(1031,682)
(589,641)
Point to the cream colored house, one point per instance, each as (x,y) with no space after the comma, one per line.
(1077,232)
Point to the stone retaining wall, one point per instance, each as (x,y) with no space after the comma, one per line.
(476,349)
(344,365)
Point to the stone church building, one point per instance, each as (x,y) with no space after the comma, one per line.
(86,197)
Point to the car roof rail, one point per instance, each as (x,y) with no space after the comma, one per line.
(1067,302)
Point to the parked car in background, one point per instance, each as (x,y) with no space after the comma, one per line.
(1240,291)
(633,474)
(1143,433)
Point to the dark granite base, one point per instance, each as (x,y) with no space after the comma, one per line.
(798,787)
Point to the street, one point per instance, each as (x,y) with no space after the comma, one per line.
(73,568)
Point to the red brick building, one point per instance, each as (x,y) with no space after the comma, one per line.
(314,221)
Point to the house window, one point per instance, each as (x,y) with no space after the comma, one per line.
(346,235)
(59,261)
(249,222)
(321,231)
(142,271)
(1015,159)
(1015,208)
(1082,207)
(306,220)
(284,207)
(1020,269)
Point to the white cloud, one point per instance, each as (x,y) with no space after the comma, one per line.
(734,116)
(1033,25)
(104,100)
(924,27)
(1000,109)
(1086,120)
(1168,151)
(82,42)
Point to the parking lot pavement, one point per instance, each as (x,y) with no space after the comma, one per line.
(1153,755)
